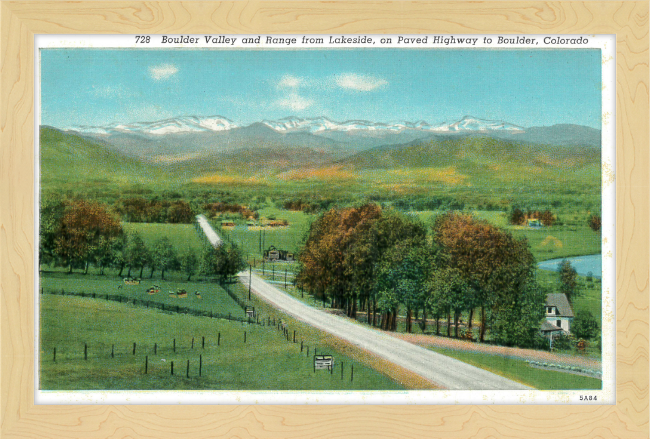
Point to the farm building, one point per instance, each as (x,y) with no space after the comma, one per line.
(559,314)
(534,222)
(227,223)
(273,254)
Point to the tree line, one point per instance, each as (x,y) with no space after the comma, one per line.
(77,234)
(381,260)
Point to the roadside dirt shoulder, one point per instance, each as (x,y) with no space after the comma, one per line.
(427,341)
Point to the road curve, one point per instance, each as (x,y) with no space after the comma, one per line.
(444,371)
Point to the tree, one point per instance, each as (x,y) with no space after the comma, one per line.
(224,261)
(189,263)
(449,286)
(401,278)
(491,261)
(52,210)
(517,322)
(136,254)
(164,256)
(585,325)
(517,217)
(568,278)
(594,223)
(81,229)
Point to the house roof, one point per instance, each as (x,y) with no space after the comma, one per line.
(560,301)
(549,327)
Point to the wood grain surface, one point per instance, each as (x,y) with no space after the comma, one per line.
(22,419)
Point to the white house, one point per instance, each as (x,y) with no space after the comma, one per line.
(559,314)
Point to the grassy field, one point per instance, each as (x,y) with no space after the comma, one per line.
(182,236)
(266,361)
(288,238)
(213,297)
(520,371)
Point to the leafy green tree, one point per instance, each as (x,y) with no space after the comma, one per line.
(223,262)
(585,325)
(51,215)
(136,254)
(568,278)
(401,278)
(455,293)
(189,263)
(516,322)
(164,256)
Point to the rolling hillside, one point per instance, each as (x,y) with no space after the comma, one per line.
(68,158)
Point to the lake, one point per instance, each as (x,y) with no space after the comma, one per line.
(582,264)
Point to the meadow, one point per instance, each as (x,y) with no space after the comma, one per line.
(182,236)
(213,298)
(235,356)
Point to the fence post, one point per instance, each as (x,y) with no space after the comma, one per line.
(172,368)
(219,339)
(188,369)
(146,363)
(308,351)
(300,345)
(112,351)
(200,364)
(352,373)
(294,335)
(192,342)
(55,355)
(244,336)
(174,345)
(85,351)
(203,342)
(155,348)
(133,348)
(341,370)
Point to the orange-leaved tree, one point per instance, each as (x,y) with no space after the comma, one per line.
(492,263)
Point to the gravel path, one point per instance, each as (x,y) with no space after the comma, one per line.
(444,371)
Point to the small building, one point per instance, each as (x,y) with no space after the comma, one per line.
(227,224)
(274,254)
(558,314)
(534,222)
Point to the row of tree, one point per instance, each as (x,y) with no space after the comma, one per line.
(78,233)
(379,260)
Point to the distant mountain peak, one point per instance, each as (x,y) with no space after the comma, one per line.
(175,125)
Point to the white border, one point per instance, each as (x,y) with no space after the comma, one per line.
(607,44)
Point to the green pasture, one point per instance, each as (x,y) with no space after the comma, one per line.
(522,372)
(213,297)
(182,236)
(265,361)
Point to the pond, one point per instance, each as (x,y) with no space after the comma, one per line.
(582,264)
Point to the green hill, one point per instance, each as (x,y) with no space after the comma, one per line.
(472,153)
(68,159)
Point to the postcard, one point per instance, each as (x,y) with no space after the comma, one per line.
(321,219)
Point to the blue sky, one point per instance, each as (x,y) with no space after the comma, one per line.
(524,87)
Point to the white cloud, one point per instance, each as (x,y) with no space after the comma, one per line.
(290,81)
(108,91)
(295,102)
(163,71)
(359,82)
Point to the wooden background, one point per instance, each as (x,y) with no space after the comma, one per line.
(22,419)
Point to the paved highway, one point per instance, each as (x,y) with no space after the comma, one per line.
(441,370)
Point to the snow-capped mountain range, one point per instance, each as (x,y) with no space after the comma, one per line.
(318,125)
